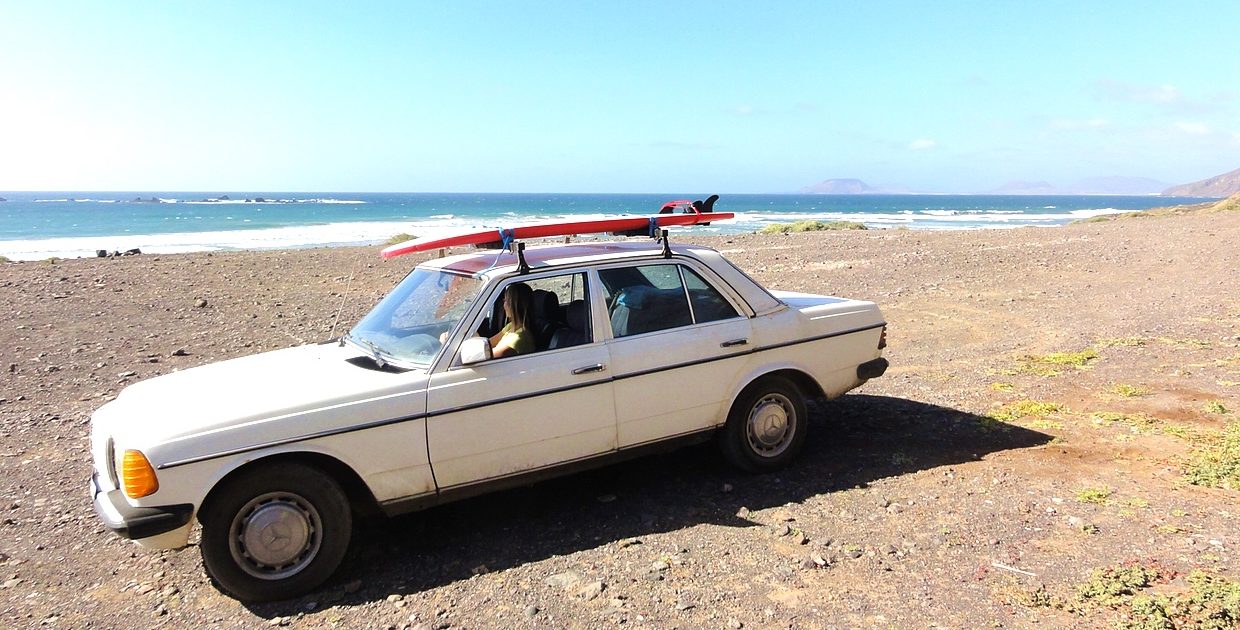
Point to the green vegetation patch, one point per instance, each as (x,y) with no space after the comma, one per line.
(1206,601)
(1212,602)
(1109,586)
(399,238)
(4,259)
(1138,422)
(1024,409)
(1002,387)
(1137,342)
(1230,204)
(1217,464)
(1073,359)
(811,226)
(1215,406)
(1054,363)
(1125,390)
(1126,342)
(1097,496)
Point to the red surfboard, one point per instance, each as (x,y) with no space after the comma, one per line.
(559,228)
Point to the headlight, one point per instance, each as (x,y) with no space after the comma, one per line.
(137,476)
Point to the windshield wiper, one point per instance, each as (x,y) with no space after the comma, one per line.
(376,353)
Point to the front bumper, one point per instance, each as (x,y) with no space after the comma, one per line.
(133,522)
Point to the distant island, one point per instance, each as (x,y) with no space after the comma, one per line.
(1112,185)
(839,187)
(1224,185)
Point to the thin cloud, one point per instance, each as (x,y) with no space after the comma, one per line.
(684,146)
(922,144)
(1192,128)
(1166,97)
(1072,124)
(1137,93)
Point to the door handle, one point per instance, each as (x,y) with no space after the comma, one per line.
(734,342)
(597,367)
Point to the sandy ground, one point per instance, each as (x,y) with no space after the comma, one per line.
(977,484)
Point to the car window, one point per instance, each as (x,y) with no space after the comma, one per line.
(647,298)
(708,304)
(559,312)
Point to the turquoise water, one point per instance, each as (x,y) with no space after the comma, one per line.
(38,225)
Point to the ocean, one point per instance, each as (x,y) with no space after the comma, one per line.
(36,226)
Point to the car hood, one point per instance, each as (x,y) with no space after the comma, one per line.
(270,396)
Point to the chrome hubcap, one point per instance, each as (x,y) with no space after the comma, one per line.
(275,535)
(772,423)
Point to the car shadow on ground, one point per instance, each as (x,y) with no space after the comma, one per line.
(853,441)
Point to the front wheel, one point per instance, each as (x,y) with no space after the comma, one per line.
(275,532)
(766,425)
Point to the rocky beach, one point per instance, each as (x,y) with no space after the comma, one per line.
(1055,445)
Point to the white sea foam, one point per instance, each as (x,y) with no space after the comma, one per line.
(1093,212)
(179,242)
(369,233)
(252,201)
(224,202)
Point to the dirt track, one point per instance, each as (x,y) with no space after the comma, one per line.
(1049,389)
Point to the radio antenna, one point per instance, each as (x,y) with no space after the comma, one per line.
(344,297)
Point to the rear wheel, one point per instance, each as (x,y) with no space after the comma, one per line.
(275,532)
(766,425)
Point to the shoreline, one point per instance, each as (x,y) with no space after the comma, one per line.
(75,230)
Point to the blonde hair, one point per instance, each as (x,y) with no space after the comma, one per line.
(519,298)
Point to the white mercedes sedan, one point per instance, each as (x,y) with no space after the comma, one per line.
(634,347)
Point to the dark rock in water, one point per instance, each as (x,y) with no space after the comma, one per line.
(132,252)
(101,253)
(224,198)
(259,200)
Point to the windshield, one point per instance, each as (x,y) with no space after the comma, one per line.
(406,326)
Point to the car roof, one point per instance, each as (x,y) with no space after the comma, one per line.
(492,263)
(487,262)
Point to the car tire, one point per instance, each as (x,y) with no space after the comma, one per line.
(275,532)
(766,426)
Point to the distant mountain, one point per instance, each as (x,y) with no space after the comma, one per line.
(839,187)
(1223,185)
(1116,186)
(1025,188)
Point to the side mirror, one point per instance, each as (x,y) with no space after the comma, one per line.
(475,350)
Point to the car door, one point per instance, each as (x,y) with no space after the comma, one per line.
(513,415)
(677,349)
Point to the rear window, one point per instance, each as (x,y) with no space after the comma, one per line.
(649,298)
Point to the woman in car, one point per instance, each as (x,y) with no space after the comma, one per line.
(517,336)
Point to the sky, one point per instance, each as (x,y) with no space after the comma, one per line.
(630,96)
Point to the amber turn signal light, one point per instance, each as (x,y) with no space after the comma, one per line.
(137,475)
